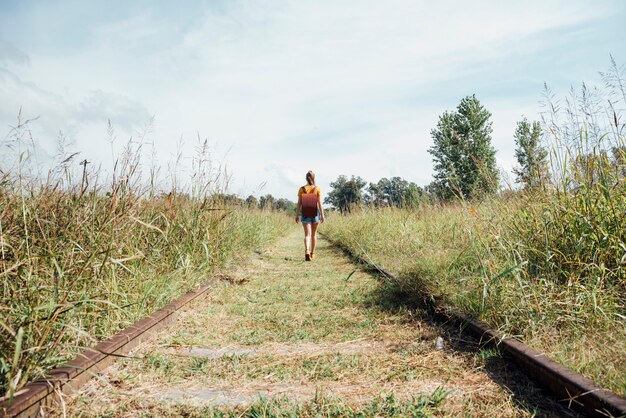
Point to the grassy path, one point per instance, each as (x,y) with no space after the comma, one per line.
(281,337)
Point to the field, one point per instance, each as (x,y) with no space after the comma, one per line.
(82,257)
(84,254)
(285,337)
(543,261)
(518,264)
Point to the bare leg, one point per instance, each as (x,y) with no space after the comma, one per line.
(313,237)
(307,237)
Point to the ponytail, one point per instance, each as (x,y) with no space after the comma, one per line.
(310,178)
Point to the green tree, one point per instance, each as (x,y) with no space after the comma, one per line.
(413,196)
(382,193)
(393,192)
(252,202)
(464,160)
(346,193)
(225,199)
(531,156)
(285,204)
(267,202)
(373,197)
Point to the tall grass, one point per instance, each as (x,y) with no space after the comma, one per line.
(548,266)
(83,255)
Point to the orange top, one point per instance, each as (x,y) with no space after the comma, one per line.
(308,189)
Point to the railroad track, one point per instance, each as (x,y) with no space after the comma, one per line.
(36,397)
(570,389)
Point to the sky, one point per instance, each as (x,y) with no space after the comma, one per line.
(282,87)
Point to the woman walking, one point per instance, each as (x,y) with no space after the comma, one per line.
(310,212)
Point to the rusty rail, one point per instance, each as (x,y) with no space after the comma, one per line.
(36,397)
(571,389)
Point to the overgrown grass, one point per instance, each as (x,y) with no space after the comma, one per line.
(475,258)
(321,327)
(80,257)
(546,265)
(327,406)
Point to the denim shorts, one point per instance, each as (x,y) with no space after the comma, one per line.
(310,220)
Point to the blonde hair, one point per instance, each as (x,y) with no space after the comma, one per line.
(310,178)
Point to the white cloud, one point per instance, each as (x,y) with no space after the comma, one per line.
(338,87)
(10,54)
(80,122)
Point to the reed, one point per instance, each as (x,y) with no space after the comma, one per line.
(546,265)
(83,255)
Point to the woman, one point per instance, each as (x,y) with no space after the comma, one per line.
(313,196)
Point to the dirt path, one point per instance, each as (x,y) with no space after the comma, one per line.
(282,336)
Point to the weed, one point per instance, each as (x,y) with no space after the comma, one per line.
(543,265)
(82,256)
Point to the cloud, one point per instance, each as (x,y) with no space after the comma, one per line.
(286,86)
(10,54)
(125,113)
(79,121)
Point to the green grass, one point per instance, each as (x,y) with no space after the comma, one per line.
(320,406)
(297,328)
(547,264)
(497,261)
(82,257)
(74,286)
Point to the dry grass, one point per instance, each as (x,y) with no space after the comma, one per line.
(81,256)
(545,264)
(303,339)
(472,256)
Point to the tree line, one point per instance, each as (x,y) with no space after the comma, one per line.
(270,202)
(264,202)
(347,192)
(465,160)
(464,163)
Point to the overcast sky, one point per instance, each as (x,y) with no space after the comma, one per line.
(281,87)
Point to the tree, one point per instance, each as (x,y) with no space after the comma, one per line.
(267,202)
(377,193)
(531,156)
(225,199)
(393,192)
(372,195)
(464,160)
(413,196)
(345,193)
(252,202)
(285,204)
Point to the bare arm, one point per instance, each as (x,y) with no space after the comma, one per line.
(320,208)
(298,208)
